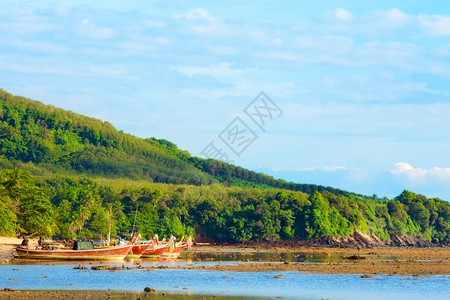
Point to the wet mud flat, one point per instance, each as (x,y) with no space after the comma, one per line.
(333,260)
(412,268)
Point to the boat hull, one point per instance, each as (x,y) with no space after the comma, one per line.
(157,252)
(113,253)
(138,250)
(176,252)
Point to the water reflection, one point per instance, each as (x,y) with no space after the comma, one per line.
(267,256)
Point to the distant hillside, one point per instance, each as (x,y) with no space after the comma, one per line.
(70,176)
(65,142)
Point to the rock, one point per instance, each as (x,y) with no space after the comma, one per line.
(101,267)
(409,241)
(80,267)
(367,276)
(354,257)
(149,290)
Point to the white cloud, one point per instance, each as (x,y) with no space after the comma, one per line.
(236,89)
(393,54)
(89,29)
(279,56)
(420,174)
(155,24)
(402,168)
(435,24)
(117,71)
(142,46)
(396,16)
(343,15)
(202,22)
(392,18)
(224,50)
(34,67)
(219,70)
(25,21)
(37,46)
(61,10)
(324,169)
(329,44)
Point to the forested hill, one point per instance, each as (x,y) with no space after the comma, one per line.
(65,142)
(70,176)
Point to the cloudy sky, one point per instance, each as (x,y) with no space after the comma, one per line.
(358,93)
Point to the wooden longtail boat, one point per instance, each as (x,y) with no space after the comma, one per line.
(138,250)
(176,251)
(155,252)
(108,253)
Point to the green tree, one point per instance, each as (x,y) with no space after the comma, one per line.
(7,219)
(36,214)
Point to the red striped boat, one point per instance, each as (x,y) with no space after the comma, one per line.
(107,253)
(138,250)
(157,251)
(176,251)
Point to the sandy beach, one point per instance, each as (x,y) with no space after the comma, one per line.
(7,245)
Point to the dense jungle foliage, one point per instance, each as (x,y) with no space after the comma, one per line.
(70,176)
(70,208)
(64,142)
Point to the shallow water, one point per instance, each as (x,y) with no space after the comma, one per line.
(290,285)
(269,256)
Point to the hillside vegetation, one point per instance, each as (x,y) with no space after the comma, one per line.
(64,142)
(72,176)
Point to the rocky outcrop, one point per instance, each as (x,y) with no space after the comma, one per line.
(357,240)
(409,241)
(361,240)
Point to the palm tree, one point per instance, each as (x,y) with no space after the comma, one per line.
(79,219)
(14,180)
(134,195)
(112,209)
(13,185)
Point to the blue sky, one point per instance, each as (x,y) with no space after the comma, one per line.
(363,88)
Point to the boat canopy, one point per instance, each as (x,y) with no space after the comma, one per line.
(83,245)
